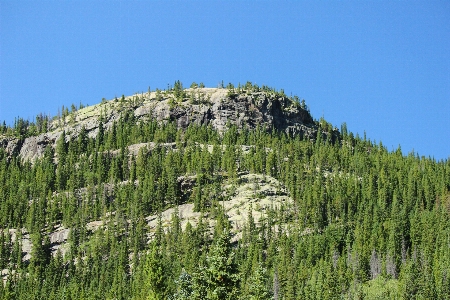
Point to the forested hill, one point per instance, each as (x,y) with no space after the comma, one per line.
(227,193)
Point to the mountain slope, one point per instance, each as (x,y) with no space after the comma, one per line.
(177,197)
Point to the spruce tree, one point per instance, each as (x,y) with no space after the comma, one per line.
(220,278)
(156,274)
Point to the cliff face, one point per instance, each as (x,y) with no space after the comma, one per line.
(219,108)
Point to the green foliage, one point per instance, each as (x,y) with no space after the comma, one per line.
(381,288)
(184,287)
(258,288)
(364,222)
(219,279)
(157,275)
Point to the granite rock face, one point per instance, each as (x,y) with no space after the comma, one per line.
(218,108)
(10,144)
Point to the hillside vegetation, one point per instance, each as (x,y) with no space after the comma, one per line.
(237,195)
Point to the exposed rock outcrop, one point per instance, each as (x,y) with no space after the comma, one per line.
(218,108)
(250,193)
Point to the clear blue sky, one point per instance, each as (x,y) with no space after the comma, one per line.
(382,67)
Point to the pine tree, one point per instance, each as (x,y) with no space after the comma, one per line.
(219,279)
(156,274)
(257,286)
(184,287)
(40,254)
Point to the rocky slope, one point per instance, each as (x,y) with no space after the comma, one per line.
(219,108)
(252,195)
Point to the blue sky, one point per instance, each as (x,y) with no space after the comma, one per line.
(382,67)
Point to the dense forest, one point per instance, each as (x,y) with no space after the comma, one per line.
(364,222)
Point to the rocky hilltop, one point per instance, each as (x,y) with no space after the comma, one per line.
(216,107)
(138,196)
(219,108)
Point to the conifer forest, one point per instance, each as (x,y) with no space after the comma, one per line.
(149,209)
